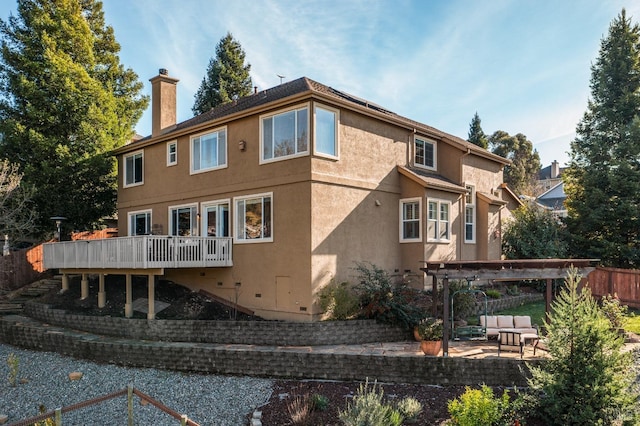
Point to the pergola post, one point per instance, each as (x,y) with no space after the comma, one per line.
(102,295)
(548,297)
(84,287)
(445,315)
(128,304)
(151,290)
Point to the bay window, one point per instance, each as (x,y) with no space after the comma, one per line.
(438,221)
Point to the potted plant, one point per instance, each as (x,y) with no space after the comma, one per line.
(430,331)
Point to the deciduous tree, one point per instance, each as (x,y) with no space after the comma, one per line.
(522,173)
(66,102)
(602,181)
(17,213)
(227,77)
(534,233)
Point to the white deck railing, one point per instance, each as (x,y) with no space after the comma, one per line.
(140,252)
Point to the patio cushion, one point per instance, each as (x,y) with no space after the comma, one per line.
(505,321)
(522,321)
(492,321)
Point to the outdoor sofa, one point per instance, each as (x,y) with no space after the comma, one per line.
(518,323)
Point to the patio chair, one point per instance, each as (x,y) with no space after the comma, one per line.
(510,340)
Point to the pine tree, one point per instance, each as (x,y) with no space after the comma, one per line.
(602,181)
(586,381)
(227,77)
(66,103)
(476,135)
(522,173)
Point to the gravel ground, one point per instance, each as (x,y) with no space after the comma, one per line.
(43,379)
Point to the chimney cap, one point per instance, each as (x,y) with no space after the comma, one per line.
(163,71)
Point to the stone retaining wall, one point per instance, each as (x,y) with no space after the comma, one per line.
(275,333)
(264,361)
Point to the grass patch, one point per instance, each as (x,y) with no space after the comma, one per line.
(535,310)
(632,322)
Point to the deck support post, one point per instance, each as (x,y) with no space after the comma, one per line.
(128,304)
(151,285)
(65,283)
(84,287)
(102,295)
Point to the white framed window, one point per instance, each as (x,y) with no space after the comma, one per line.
(183,220)
(326,131)
(139,223)
(172,153)
(410,223)
(438,221)
(134,169)
(425,153)
(284,135)
(253,218)
(209,151)
(470,215)
(215,219)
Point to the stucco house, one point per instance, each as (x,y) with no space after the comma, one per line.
(267,199)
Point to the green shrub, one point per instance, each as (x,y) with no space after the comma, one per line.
(513,290)
(478,407)
(319,402)
(464,303)
(614,311)
(493,293)
(338,301)
(368,409)
(385,300)
(410,408)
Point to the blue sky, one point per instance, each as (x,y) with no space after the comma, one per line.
(523,65)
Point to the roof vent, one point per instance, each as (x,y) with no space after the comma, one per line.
(163,71)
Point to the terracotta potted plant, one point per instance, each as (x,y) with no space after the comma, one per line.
(430,331)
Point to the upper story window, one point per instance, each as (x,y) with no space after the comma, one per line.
(209,151)
(183,221)
(425,153)
(253,218)
(326,131)
(133,169)
(470,215)
(284,135)
(172,153)
(438,221)
(140,223)
(410,224)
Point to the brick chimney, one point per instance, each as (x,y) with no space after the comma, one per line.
(163,102)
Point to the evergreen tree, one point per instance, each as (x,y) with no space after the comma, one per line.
(522,173)
(66,103)
(602,181)
(476,135)
(586,381)
(227,77)
(534,233)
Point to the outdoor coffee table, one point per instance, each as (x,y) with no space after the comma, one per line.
(532,338)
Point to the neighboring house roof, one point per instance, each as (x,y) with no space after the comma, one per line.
(302,87)
(553,198)
(546,173)
(431,180)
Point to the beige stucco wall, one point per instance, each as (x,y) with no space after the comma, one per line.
(327,213)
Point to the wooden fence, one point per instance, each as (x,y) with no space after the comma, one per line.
(624,283)
(21,267)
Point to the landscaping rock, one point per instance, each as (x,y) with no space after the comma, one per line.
(75,375)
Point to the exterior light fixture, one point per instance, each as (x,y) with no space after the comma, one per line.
(58,220)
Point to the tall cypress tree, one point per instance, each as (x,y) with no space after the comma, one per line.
(602,182)
(227,77)
(66,103)
(476,135)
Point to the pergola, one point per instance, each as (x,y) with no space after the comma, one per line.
(502,270)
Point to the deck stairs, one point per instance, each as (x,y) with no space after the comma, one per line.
(13,301)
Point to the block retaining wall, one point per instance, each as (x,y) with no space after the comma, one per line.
(265,361)
(276,333)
